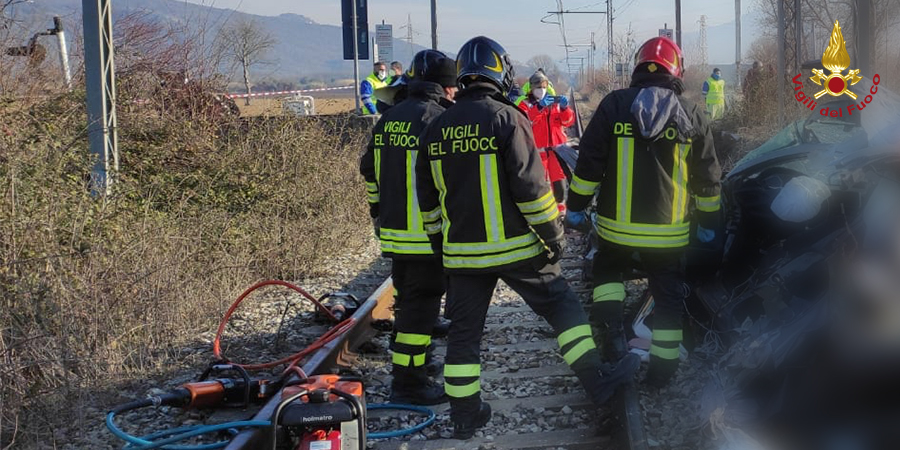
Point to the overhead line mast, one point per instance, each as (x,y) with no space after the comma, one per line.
(560,14)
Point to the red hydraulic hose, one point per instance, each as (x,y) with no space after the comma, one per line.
(291,360)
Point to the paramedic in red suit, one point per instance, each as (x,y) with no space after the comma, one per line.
(549,116)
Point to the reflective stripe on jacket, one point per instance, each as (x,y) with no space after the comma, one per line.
(388,166)
(716,93)
(366,89)
(482,186)
(646,177)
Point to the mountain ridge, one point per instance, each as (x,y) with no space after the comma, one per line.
(303,48)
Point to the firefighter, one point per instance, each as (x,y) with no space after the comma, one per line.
(649,152)
(549,116)
(489,211)
(373,82)
(388,166)
(714,91)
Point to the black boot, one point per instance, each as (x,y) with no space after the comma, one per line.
(602,384)
(615,345)
(413,386)
(441,328)
(468,415)
(661,372)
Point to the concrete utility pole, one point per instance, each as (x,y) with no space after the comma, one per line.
(434,24)
(356,57)
(100,81)
(678,23)
(737,41)
(609,32)
(593,50)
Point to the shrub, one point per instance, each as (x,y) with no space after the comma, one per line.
(95,289)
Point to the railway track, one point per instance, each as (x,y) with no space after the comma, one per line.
(536,399)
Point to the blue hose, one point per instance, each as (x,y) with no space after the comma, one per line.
(397,406)
(165,438)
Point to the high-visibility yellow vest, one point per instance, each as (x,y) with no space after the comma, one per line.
(375,82)
(716,93)
(526,89)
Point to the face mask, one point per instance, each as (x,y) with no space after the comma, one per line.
(382,74)
(716,76)
(538,93)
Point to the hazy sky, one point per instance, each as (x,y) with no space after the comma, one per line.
(514,23)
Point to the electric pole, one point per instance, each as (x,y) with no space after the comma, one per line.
(593,50)
(737,40)
(409,33)
(100,84)
(609,33)
(609,21)
(356,56)
(781,61)
(678,23)
(434,24)
(703,44)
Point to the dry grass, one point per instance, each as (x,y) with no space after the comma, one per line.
(96,290)
(267,106)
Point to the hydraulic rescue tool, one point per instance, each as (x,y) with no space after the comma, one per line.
(324,412)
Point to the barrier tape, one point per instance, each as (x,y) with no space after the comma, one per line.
(301,91)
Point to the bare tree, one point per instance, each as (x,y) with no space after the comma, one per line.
(818,19)
(245,44)
(6,5)
(544,62)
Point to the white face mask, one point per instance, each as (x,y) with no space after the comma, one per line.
(382,74)
(538,93)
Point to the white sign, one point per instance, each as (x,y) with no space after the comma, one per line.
(666,32)
(384,39)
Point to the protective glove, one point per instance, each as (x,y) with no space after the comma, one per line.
(563,102)
(578,220)
(556,251)
(705,235)
(546,101)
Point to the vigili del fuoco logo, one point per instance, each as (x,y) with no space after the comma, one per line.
(836,60)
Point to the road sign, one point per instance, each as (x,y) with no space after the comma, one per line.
(384,40)
(620,70)
(666,32)
(362,28)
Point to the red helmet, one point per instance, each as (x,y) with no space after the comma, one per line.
(662,51)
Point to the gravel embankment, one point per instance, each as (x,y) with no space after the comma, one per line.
(670,414)
(251,336)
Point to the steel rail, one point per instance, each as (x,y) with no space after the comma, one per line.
(335,354)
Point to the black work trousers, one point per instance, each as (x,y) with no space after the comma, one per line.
(419,286)
(544,289)
(665,273)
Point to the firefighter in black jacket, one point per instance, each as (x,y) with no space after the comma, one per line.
(388,166)
(491,213)
(649,152)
